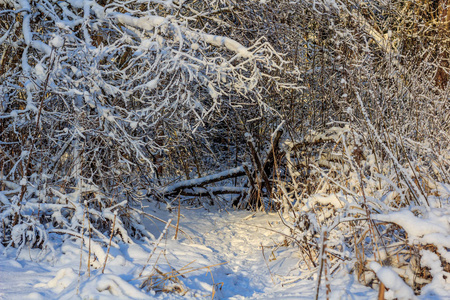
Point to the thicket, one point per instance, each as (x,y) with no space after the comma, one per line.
(106,103)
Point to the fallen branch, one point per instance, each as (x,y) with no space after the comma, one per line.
(199,182)
(207,191)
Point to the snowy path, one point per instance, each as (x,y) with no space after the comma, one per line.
(237,241)
(228,242)
(236,238)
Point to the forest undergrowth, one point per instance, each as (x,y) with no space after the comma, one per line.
(334,114)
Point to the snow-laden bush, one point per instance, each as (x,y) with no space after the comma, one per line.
(365,176)
(96,96)
(104,101)
(364,209)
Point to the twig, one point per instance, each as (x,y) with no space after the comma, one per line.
(381,291)
(267,264)
(89,255)
(110,240)
(321,260)
(81,254)
(192,270)
(149,216)
(156,246)
(36,133)
(178,218)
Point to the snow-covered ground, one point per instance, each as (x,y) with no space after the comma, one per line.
(230,255)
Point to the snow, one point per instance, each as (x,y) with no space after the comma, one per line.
(440,283)
(195,46)
(44,48)
(25,5)
(26,29)
(111,285)
(414,226)
(221,41)
(63,279)
(57,41)
(230,44)
(337,201)
(180,75)
(153,84)
(76,3)
(151,21)
(397,287)
(40,71)
(146,23)
(218,251)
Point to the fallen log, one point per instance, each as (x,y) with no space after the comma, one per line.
(216,190)
(200,182)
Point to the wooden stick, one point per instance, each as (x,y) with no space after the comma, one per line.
(381,291)
(321,260)
(178,218)
(110,239)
